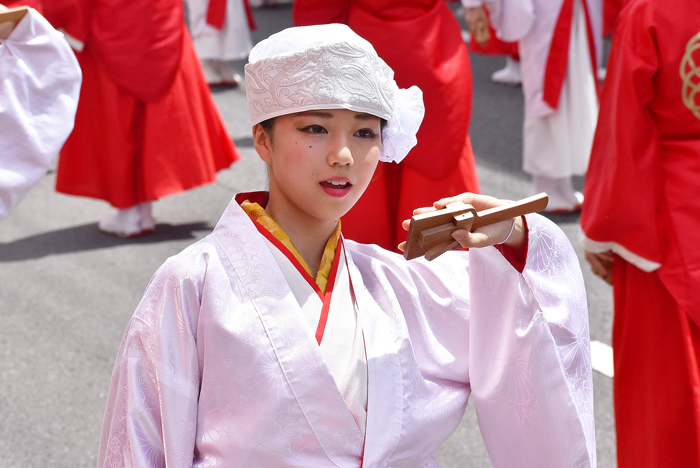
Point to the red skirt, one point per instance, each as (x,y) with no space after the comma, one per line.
(656,387)
(127,151)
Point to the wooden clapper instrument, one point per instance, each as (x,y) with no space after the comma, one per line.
(430,234)
(13,16)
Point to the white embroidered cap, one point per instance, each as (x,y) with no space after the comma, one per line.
(330,67)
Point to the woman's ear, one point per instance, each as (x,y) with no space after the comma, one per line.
(263,143)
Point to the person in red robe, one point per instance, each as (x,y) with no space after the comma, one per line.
(421,41)
(641,222)
(146,125)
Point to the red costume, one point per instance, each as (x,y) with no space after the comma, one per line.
(611,10)
(421,41)
(36,4)
(642,202)
(146,124)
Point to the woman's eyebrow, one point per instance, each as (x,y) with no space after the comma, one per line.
(364,116)
(325,115)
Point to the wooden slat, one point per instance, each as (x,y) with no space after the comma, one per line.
(502,213)
(430,234)
(424,221)
(13,15)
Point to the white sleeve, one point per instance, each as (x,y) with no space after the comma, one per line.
(529,348)
(150,417)
(512,19)
(39,87)
(520,341)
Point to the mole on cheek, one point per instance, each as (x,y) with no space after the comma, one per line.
(309,147)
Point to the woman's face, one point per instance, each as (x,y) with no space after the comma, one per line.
(320,162)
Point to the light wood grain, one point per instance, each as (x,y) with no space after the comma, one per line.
(430,234)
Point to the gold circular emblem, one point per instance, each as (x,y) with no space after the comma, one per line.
(690,75)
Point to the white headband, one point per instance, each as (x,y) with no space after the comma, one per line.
(330,67)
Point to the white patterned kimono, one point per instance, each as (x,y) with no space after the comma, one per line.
(218,366)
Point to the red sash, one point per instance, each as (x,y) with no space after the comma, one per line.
(558,58)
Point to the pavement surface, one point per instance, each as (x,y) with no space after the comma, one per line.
(67,290)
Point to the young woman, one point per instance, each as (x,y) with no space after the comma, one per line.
(275,342)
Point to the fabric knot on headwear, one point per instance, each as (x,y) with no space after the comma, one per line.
(331,67)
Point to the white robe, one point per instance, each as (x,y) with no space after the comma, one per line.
(556,142)
(531,23)
(232,42)
(218,366)
(559,144)
(342,344)
(39,87)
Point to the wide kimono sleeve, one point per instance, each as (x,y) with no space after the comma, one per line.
(138,43)
(519,341)
(39,87)
(151,414)
(529,354)
(624,184)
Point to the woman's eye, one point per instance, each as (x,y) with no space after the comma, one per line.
(313,129)
(366,133)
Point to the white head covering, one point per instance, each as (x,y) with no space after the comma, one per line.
(330,67)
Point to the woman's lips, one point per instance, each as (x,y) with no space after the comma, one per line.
(336,188)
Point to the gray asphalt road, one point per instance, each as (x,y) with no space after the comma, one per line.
(67,291)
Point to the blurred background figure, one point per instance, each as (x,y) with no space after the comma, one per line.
(421,41)
(146,125)
(39,87)
(267,3)
(559,44)
(221,33)
(641,222)
(484,40)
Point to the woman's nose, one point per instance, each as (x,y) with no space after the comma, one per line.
(340,153)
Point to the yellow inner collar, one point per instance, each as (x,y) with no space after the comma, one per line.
(258,213)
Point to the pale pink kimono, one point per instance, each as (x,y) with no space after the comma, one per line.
(218,367)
